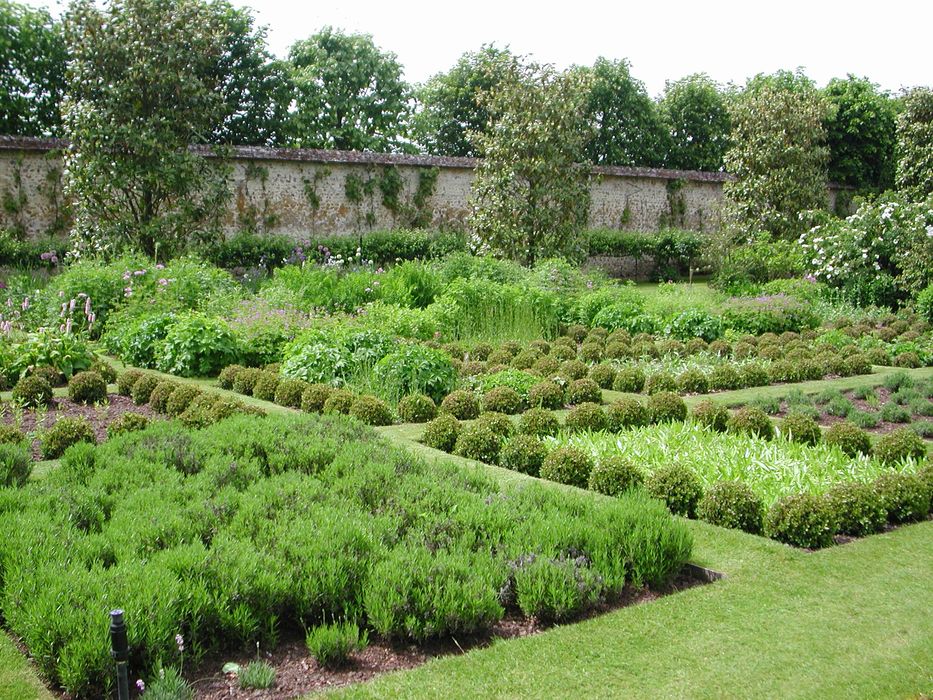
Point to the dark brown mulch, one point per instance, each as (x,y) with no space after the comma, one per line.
(33,422)
(297,673)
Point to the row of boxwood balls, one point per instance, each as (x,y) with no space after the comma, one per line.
(802,519)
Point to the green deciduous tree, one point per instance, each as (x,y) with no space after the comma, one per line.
(449,104)
(626,125)
(32,71)
(531,190)
(915,145)
(349,94)
(695,113)
(778,156)
(143,85)
(254,87)
(861,134)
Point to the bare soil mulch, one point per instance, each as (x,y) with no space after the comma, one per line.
(32,421)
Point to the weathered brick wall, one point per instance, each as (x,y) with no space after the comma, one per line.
(300,192)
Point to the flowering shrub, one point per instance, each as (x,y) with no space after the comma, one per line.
(881,252)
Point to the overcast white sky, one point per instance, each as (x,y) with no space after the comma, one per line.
(888,42)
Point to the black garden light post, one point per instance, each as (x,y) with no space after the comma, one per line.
(120,651)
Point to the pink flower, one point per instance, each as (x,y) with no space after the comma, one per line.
(163,282)
(140,686)
(160,266)
(87,307)
(180,641)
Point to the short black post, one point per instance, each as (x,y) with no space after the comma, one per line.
(120,651)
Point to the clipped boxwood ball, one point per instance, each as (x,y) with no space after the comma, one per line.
(502,399)
(65,433)
(371,410)
(629,379)
(442,432)
(198,412)
(724,377)
(266,385)
(340,402)
(802,520)
(711,415)
(105,370)
(678,486)
(567,465)
(849,438)
(666,407)
(478,441)
(583,391)
(660,381)
(732,504)
(87,388)
(417,408)
(228,375)
(546,394)
(179,400)
(586,416)
(858,508)
(615,475)
(799,427)
(142,389)
(245,380)
(752,421)
(904,496)
(573,369)
(692,381)
(461,404)
(498,422)
(127,423)
(314,397)
(603,375)
(523,453)
(158,398)
(289,393)
(10,435)
(126,380)
(538,421)
(32,391)
(626,413)
(900,445)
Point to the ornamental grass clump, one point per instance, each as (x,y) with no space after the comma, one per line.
(586,416)
(613,476)
(678,486)
(539,422)
(87,388)
(461,404)
(417,408)
(331,645)
(523,453)
(442,432)
(257,675)
(752,421)
(732,504)
(567,465)
(666,407)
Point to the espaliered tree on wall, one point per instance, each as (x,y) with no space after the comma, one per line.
(531,190)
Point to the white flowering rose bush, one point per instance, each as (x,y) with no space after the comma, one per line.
(882,253)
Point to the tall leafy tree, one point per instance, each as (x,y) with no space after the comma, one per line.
(695,113)
(32,71)
(349,94)
(915,144)
(626,125)
(861,134)
(449,102)
(143,85)
(253,85)
(531,190)
(778,156)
